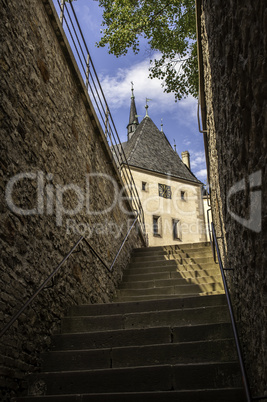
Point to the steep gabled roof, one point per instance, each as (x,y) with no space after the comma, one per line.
(149,149)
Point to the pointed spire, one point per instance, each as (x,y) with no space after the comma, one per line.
(132,89)
(174,145)
(133,118)
(161,126)
(133,113)
(146,107)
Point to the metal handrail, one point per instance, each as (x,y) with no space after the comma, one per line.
(52,275)
(198,119)
(237,342)
(118,252)
(83,58)
(236,337)
(210,236)
(16,316)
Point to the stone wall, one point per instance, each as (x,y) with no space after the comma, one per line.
(234,79)
(55,164)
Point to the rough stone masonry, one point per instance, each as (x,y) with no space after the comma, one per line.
(234,49)
(54,159)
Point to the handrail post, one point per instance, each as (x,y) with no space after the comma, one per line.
(211,236)
(62,5)
(125,238)
(237,342)
(87,70)
(106,121)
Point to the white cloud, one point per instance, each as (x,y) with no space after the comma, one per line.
(201,174)
(179,118)
(198,164)
(197,159)
(189,106)
(117,90)
(187,142)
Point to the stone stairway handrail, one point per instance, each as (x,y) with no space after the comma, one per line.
(236,337)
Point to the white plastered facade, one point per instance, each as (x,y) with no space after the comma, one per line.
(175,220)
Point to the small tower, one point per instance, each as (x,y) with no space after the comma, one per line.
(133,119)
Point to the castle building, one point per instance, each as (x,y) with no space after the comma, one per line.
(170,194)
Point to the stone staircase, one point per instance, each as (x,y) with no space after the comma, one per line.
(166,337)
(171,271)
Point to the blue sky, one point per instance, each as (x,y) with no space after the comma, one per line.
(115,74)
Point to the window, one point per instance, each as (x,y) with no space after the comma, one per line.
(156,226)
(176,229)
(183,195)
(144,186)
(165,191)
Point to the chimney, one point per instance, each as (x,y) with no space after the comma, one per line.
(186,158)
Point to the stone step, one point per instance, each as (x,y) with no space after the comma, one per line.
(171,290)
(159,297)
(141,336)
(137,356)
(179,257)
(147,378)
(159,338)
(208,395)
(130,276)
(173,248)
(172,266)
(135,307)
(192,252)
(175,258)
(177,317)
(157,283)
(159,341)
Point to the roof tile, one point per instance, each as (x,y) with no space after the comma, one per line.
(150,149)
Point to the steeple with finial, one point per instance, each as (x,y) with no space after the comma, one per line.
(133,118)
(146,107)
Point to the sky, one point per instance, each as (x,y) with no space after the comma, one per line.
(179,119)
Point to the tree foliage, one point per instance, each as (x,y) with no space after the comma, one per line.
(168,26)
